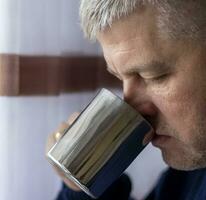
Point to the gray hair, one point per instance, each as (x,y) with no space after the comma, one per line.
(176,18)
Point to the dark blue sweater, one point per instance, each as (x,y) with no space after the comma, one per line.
(173,185)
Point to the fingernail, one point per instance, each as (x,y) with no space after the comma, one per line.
(72,118)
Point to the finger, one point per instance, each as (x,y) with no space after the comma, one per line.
(54,137)
(72,118)
(68,182)
(60,131)
(65,125)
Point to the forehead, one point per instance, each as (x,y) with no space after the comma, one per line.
(135,36)
(135,40)
(135,25)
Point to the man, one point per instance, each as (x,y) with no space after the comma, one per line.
(157,49)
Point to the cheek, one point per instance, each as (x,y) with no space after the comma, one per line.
(179,104)
(182,107)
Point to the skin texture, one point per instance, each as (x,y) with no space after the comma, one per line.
(164,80)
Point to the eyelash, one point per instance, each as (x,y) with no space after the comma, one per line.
(157,79)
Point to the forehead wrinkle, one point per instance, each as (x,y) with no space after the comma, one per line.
(153,65)
(141,49)
(132,38)
(131,44)
(131,66)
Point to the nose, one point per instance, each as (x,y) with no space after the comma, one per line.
(137,96)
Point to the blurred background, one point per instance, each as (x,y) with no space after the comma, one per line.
(47,72)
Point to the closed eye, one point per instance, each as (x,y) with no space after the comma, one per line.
(157,79)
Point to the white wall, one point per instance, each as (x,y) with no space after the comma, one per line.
(25,124)
(42,27)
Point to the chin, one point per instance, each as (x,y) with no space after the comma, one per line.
(184,162)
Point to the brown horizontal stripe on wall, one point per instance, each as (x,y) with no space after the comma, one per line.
(51,75)
(9,74)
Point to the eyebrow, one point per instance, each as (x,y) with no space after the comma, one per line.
(152,66)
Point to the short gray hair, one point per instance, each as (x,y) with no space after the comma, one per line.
(176,18)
